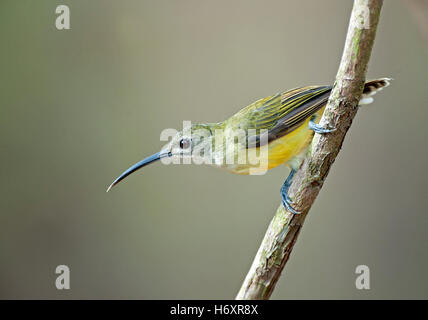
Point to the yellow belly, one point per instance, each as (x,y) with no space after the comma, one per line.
(281,150)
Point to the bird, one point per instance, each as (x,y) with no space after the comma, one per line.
(267,133)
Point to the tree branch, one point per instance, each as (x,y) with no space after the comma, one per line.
(342,107)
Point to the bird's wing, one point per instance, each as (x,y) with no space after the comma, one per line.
(281,113)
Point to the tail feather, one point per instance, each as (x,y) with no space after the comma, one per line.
(372,87)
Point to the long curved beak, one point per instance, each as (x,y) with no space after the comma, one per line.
(138,165)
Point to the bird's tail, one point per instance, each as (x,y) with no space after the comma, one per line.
(372,87)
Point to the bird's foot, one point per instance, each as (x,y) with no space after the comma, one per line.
(286,201)
(317,128)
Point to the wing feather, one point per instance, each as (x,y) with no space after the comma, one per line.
(282,113)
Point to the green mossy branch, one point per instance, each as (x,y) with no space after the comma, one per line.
(341,109)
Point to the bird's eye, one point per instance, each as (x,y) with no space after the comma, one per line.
(184,143)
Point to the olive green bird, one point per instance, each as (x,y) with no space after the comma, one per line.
(282,126)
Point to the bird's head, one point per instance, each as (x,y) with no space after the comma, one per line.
(194,142)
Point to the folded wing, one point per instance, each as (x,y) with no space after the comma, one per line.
(282,113)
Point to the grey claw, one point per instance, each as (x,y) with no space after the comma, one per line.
(318,129)
(286,202)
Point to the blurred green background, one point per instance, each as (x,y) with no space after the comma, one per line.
(79,106)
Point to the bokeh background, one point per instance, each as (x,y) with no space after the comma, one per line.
(79,106)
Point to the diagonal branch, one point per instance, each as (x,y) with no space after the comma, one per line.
(342,107)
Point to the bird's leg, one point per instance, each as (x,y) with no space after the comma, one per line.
(286,201)
(317,128)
